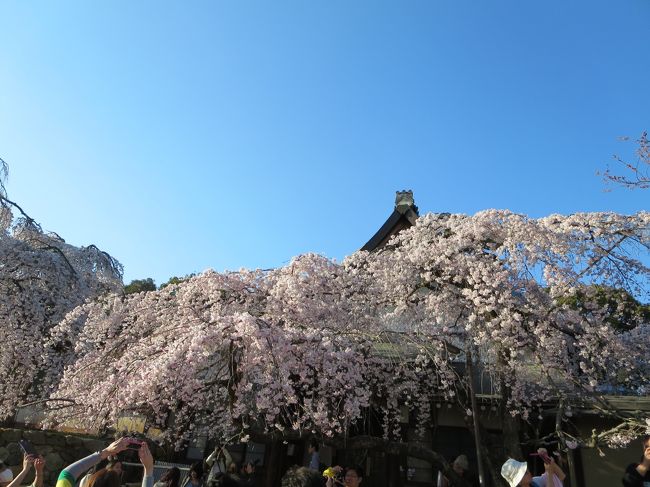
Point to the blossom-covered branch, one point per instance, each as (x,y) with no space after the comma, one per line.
(638,173)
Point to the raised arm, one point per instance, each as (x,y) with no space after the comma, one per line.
(69,475)
(28,461)
(39,465)
(147,462)
(558,471)
(554,474)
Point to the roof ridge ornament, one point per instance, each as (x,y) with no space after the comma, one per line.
(404,201)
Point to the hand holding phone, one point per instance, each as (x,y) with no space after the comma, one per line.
(543,454)
(28,461)
(114,448)
(39,464)
(146,458)
(134,443)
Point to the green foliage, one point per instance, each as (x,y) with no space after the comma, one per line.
(176,280)
(140,285)
(623,311)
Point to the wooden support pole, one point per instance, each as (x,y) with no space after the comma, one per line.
(475,418)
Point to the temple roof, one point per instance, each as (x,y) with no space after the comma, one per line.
(404,216)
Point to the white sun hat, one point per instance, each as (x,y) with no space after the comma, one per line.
(513,471)
(462,462)
(6,476)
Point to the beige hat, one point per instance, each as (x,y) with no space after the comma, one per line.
(462,462)
(513,471)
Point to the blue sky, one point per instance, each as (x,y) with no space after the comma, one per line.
(180,136)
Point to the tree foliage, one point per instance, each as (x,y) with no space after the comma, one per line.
(140,285)
(620,310)
(172,281)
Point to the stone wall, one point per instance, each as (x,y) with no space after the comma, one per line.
(58,449)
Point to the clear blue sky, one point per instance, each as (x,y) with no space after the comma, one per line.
(180,136)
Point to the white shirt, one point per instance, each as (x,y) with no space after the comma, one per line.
(542,481)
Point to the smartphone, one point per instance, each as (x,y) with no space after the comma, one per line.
(134,444)
(27,447)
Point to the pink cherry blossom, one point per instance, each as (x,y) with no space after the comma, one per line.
(317,345)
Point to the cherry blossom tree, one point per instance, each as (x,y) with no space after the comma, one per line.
(41,279)
(318,346)
(327,348)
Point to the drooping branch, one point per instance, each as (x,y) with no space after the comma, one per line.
(68,403)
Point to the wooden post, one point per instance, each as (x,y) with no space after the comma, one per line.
(562,442)
(475,419)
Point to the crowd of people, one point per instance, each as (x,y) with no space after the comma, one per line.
(104,469)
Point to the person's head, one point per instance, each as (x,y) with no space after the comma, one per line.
(196,471)
(353,476)
(104,478)
(645,445)
(114,464)
(6,475)
(302,477)
(171,477)
(460,465)
(516,472)
(645,441)
(313,445)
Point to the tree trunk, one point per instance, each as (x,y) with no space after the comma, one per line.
(491,461)
(497,479)
(572,469)
(510,424)
(560,436)
(511,431)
